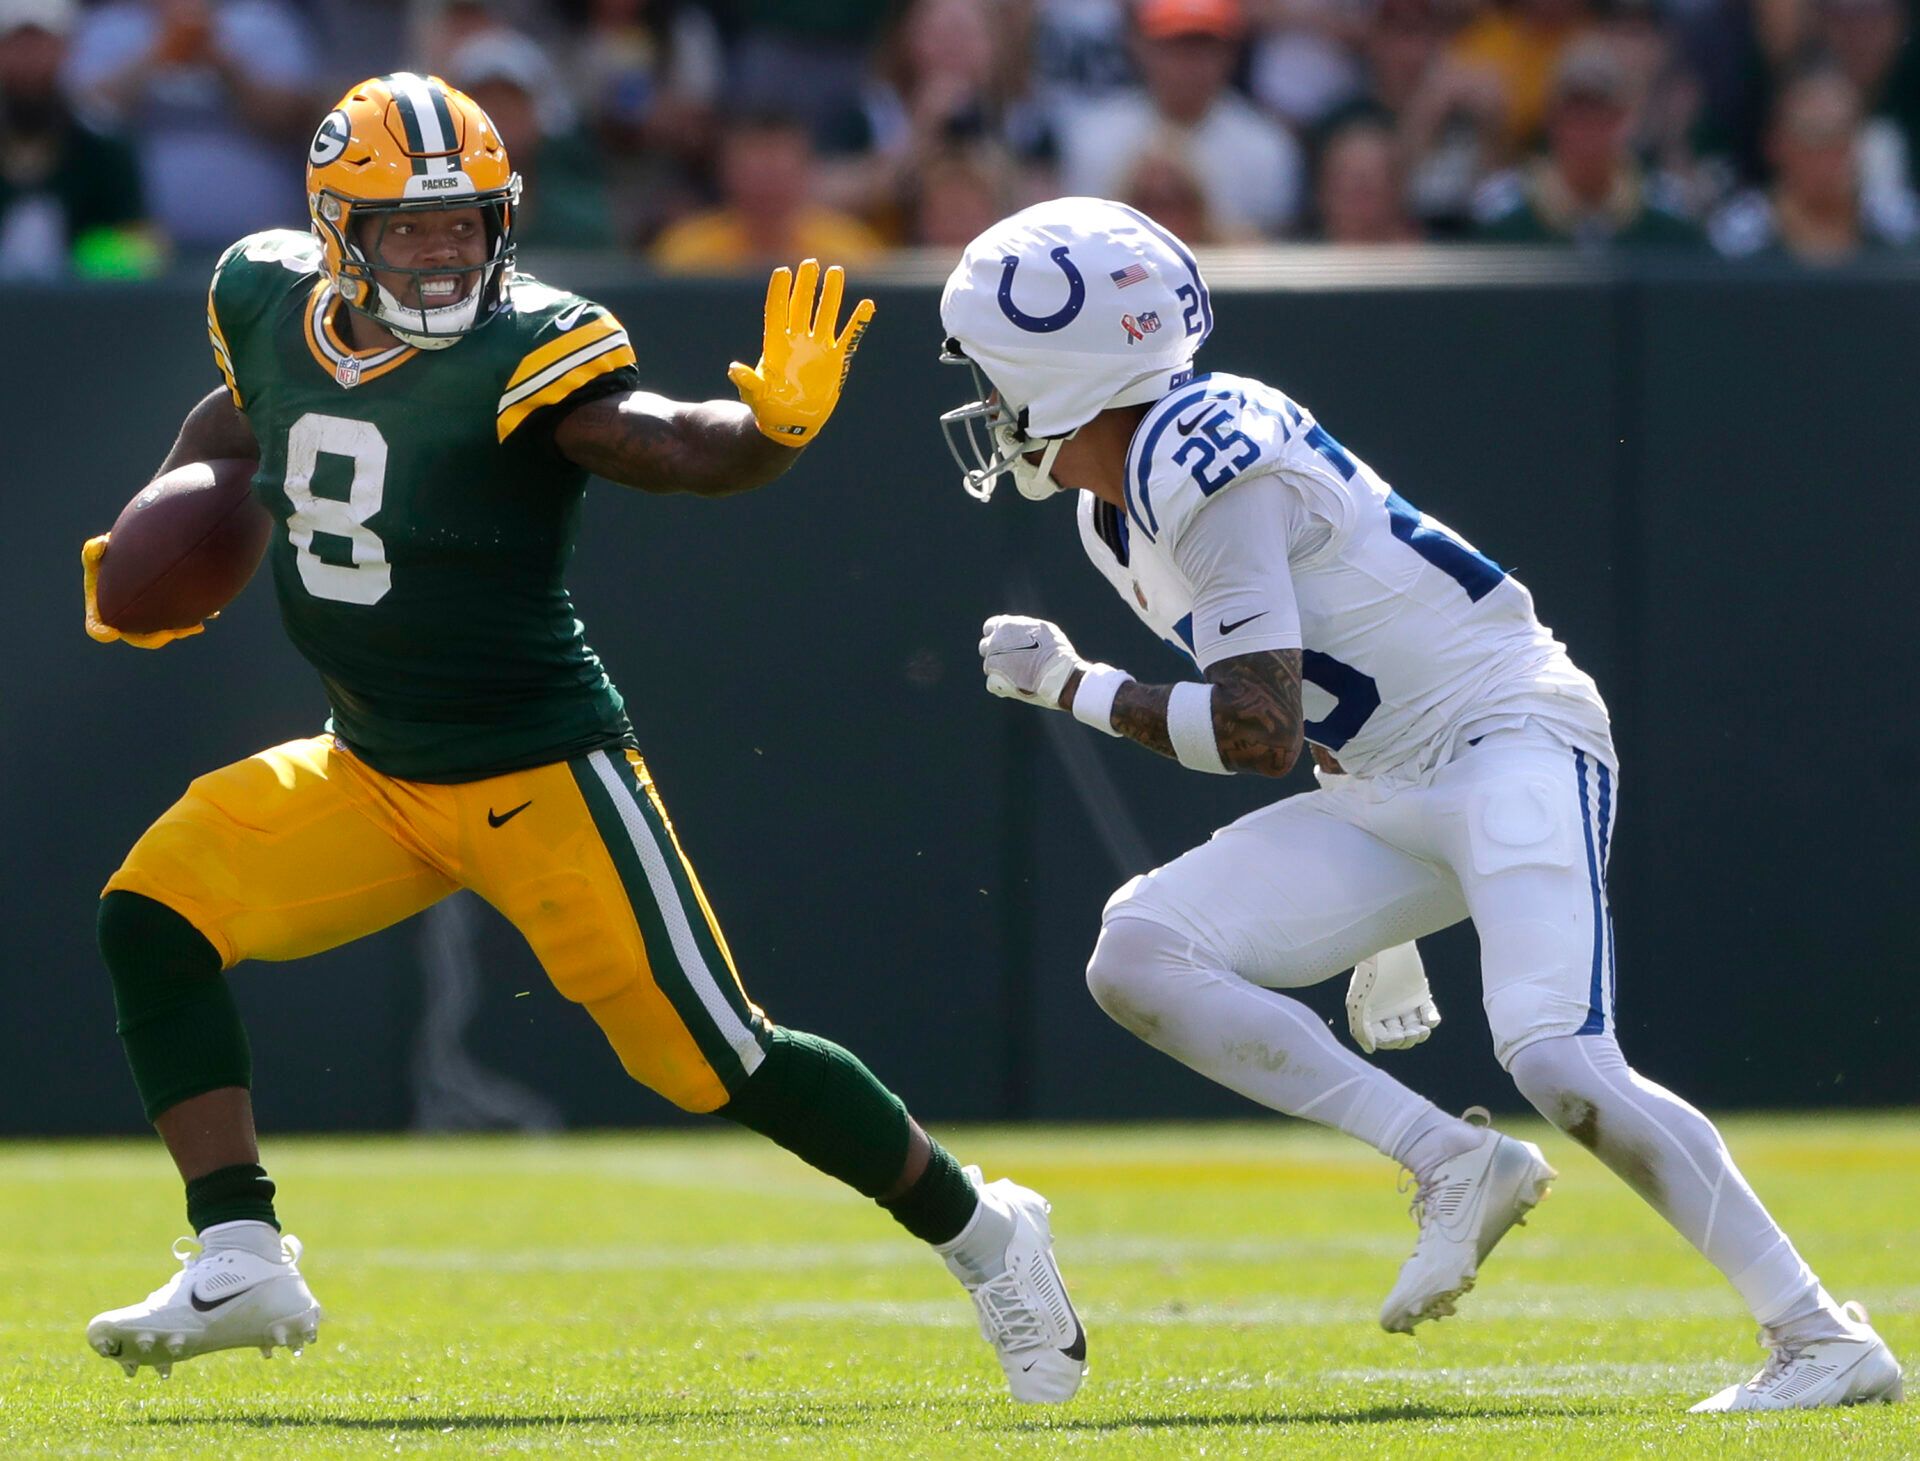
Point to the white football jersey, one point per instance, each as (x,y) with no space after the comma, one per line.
(1248,528)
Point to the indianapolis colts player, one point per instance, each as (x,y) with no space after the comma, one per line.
(1475,773)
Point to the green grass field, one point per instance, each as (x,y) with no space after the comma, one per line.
(703,1294)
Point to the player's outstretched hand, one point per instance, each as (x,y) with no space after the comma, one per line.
(1027,659)
(1389,1006)
(90,555)
(803,362)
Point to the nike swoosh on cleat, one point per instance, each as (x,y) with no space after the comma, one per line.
(500,819)
(1078,1349)
(207,1306)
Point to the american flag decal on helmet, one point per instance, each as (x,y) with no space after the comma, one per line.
(1132,274)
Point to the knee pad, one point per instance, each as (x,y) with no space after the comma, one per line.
(176,1016)
(153,955)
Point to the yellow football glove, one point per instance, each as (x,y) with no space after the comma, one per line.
(803,364)
(90,556)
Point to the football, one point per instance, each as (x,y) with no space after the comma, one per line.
(183,548)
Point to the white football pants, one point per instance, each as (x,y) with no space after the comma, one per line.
(1513,833)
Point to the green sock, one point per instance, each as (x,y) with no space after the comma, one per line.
(177,1018)
(240,1193)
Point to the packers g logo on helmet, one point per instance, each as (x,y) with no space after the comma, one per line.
(331,140)
(400,144)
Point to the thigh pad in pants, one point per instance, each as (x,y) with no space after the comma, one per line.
(1294,893)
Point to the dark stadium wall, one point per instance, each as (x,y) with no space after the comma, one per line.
(1706,481)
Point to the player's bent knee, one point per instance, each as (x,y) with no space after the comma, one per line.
(1564,1078)
(1132,969)
(143,941)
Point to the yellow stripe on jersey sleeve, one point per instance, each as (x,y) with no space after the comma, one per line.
(222,356)
(609,351)
(554,350)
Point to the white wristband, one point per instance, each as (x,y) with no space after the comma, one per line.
(1190,728)
(1093,701)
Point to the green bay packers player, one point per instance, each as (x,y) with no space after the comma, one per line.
(425,421)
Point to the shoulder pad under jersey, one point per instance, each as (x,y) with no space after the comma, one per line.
(560,344)
(250,277)
(1197,441)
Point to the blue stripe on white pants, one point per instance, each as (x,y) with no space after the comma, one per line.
(1596,845)
(1609,809)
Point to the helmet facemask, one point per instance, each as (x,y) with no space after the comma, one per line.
(995,436)
(410,316)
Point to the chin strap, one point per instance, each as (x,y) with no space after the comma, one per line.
(1036,483)
(462,316)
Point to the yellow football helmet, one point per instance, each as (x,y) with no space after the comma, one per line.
(408,143)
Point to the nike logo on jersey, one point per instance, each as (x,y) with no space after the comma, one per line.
(567,319)
(1187,427)
(1226,628)
(207,1306)
(500,819)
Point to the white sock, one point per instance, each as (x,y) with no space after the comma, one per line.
(978,1251)
(1673,1157)
(1269,1048)
(248,1234)
(1820,1317)
(1433,1139)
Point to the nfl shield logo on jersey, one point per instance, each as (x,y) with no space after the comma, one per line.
(347,372)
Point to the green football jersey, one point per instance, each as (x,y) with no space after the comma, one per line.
(424,516)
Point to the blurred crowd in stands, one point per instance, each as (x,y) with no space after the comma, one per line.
(710,135)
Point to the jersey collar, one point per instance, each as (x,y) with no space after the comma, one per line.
(348,367)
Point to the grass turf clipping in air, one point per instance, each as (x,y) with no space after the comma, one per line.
(686,1294)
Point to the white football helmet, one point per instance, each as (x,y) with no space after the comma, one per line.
(1063,310)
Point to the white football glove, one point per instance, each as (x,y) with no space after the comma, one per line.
(1389,1006)
(1027,659)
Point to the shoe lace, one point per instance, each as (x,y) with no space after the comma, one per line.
(1007,1320)
(1781,1354)
(1423,1193)
(186,1250)
(1417,1204)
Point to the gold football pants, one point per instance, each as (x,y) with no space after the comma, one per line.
(304,848)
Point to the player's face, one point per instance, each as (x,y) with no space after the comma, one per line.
(453,239)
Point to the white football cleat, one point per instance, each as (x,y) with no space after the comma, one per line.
(1852,1369)
(222,1298)
(1024,1311)
(1466,1207)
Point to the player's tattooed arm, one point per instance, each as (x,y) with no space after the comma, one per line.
(213,428)
(1256,711)
(645,441)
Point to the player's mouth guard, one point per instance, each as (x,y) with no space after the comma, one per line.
(996,439)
